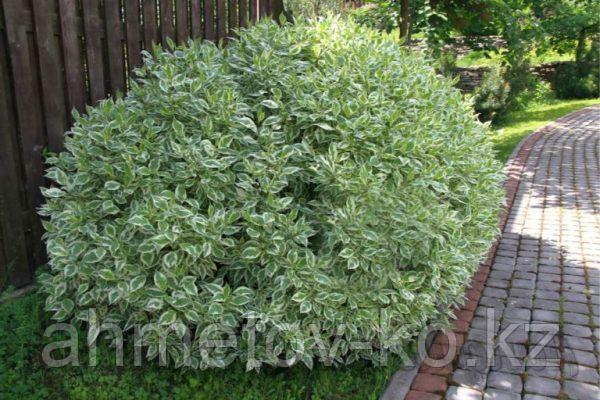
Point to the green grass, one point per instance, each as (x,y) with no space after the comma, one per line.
(23,375)
(515,125)
(480,58)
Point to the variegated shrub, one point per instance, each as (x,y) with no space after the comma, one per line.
(315,181)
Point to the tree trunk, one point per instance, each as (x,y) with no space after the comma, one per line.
(580,50)
(404,21)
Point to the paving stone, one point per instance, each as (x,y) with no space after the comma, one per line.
(498,283)
(577,330)
(478,335)
(573,287)
(574,279)
(508,365)
(536,397)
(480,323)
(518,335)
(517,314)
(529,276)
(507,382)
(545,316)
(523,283)
(580,373)
(570,306)
(581,391)
(495,394)
(500,275)
(548,269)
(543,386)
(547,295)
(546,277)
(495,293)
(462,393)
(475,362)
(548,286)
(418,395)
(520,302)
(536,338)
(551,372)
(576,297)
(512,350)
(573,342)
(575,319)
(493,302)
(469,378)
(546,304)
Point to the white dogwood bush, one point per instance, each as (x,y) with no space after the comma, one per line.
(315,181)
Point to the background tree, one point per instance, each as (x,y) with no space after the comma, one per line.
(568,22)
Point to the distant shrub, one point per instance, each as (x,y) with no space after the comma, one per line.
(490,98)
(313,8)
(306,178)
(577,81)
(446,63)
(541,92)
(376,17)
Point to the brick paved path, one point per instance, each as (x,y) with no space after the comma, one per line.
(544,281)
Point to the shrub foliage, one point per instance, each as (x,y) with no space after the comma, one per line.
(491,97)
(315,181)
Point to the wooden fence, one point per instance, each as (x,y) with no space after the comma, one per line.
(56,55)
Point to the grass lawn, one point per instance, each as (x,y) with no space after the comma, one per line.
(24,376)
(515,125)
(480,58)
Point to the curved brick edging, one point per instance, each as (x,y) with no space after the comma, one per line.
(431,383)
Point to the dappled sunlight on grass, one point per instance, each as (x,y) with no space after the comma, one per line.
(517,124)
(481,58)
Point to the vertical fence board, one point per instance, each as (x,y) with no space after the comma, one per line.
(263,6)
(15,268)
(166,20)
(232,10)
(114,44)
(72,53)
(181,14)
(243,13)
(209,20)
(196,18)
(253,10)
(28,112)
(150,24)
(132,25)
(51,76)
(221,28)
(92,28)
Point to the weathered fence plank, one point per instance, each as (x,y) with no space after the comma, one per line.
(15,265)
(151,34)
(93,32)
(209,19)
(51,75)
(114,44)
(28,109)
(182,23)
(73,54)
(132,24)
(196,18)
